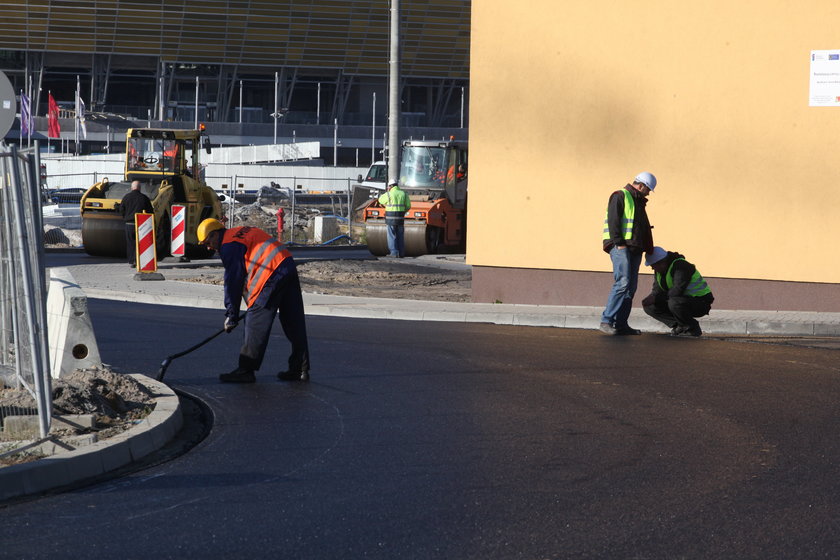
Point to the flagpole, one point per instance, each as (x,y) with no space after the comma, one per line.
(29,117)
(76,120)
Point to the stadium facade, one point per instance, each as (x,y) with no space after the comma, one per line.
(323,60)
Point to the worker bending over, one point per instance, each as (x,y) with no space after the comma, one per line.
(261,270)
(679,293)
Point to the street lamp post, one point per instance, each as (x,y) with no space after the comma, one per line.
(394,95)
(275,114)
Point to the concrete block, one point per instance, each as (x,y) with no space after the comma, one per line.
(501,318)
(771,327)
(542,320)
(325,228)
(451,316)
(141,442)
(117,454)
(72,342)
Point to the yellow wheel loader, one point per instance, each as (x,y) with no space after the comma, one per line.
(167,165)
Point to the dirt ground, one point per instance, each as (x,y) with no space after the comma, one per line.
(385,278)
(116,401)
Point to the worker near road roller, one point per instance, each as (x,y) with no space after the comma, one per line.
(134,202)
(261,270)
(679,293)
(396,204)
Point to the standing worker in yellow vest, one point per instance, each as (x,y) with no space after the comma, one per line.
(679,293)
(627,234)
(261,270)
(396,204)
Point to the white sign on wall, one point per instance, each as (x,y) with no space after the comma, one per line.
(825,79)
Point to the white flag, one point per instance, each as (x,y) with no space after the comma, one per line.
(82,117)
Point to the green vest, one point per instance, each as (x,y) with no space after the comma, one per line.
(396,203)
(696,287)
(626,220)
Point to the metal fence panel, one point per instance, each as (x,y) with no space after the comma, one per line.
(24,361)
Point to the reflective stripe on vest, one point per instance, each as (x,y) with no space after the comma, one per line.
(263,256)
(626,219)
(697,286)
(398,207)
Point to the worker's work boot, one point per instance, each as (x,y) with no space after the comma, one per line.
(628,330)
(238,375)
(692,331)
(685,331)
(293,376)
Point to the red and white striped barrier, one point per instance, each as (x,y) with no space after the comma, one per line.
(179,215)
(146,249)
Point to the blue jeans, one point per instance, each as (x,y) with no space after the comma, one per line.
(626,265)
(396,237)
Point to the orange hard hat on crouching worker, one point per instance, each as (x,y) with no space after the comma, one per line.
(207,227)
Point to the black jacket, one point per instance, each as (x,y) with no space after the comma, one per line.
(642,235)
(134,202)
(681,273)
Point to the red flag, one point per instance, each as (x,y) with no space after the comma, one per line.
(54,130)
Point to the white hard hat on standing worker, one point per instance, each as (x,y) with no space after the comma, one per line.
(647,179)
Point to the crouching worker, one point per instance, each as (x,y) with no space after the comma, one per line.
(262,271)
(679,293)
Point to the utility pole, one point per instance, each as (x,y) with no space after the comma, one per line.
(394,96)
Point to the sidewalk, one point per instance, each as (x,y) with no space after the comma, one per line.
(113,281)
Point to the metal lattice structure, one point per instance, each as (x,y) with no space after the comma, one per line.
(342,44)
(24,355)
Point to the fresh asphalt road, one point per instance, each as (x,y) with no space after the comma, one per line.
(457,441)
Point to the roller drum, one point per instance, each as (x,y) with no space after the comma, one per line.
(376,233)
(103,236)
(421,239)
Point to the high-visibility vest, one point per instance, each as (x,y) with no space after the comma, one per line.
(696,287)
(396,203)
(263,255)
(626,219)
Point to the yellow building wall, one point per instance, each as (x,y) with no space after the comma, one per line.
(569,100)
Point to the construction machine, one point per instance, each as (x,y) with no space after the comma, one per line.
(166,163)
(434,175)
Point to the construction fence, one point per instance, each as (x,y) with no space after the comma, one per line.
(329,213)
(24,351)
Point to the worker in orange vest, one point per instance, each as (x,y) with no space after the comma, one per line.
(261,270)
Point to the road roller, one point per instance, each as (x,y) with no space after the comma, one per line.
(166,162)
(434,175)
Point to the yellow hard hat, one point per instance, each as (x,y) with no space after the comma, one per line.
(207,227)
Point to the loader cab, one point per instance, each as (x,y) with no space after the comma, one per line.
(151,152)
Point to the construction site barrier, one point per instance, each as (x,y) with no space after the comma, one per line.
(146,249)
(179,214)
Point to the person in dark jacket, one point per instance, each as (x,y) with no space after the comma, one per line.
(627,234)
(679,293)
(260,270)
(133,203)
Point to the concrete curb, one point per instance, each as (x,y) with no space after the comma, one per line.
(90,461)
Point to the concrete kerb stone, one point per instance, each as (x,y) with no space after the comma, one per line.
(65,468)
(72,342)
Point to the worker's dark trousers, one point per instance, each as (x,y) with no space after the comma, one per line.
(286,301)
(130,242)
(679,310)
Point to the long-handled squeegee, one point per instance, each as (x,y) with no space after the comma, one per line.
(168,360)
